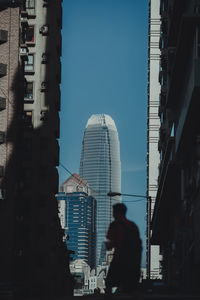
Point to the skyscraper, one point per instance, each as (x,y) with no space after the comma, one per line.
(100,165)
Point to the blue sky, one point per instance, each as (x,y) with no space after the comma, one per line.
(104,70)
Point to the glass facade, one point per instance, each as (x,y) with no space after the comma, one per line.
(80,225)
(100,166)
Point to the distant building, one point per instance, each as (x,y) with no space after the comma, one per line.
(153,128)
(81,273)
(100,165)
(77,212)
(92,285)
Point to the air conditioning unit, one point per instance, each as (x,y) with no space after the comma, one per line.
(44,58)
(44,30)
(45,3)
(44,115)
(44,86)
(24,21)
(24,50)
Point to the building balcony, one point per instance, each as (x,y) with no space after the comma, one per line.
(29,67)
(3,36)
(24,13)
(29,92)
(24,53)
(27,119)
(30,36)
(24,21)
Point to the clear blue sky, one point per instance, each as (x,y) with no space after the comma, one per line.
(104,70)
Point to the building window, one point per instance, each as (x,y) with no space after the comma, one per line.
(29,64)
(28,119)
(30,7)
(28,95)
(30,36)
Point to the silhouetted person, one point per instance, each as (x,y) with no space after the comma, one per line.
(123,236)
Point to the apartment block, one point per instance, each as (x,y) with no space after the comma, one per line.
(33,256)
(175,223)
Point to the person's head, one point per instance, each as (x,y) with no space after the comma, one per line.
(119,210)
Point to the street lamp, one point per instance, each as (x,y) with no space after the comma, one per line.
(113,194)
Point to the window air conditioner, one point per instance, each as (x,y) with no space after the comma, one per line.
(44,86)
(44,115)
(44,58)
(44,30)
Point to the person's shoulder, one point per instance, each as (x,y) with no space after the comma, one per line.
(113,224)
(132,225)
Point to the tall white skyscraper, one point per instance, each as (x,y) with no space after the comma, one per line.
(100,165)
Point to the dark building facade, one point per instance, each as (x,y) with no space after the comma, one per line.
(176,217)
(33,256)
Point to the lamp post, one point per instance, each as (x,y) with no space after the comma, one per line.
(148,251)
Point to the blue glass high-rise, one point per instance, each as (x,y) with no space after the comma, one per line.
(100,165)
(80,225)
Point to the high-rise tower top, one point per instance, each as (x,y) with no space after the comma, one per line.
(101,119)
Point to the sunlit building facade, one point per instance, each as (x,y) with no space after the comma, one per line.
(153,126)
(100,165)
